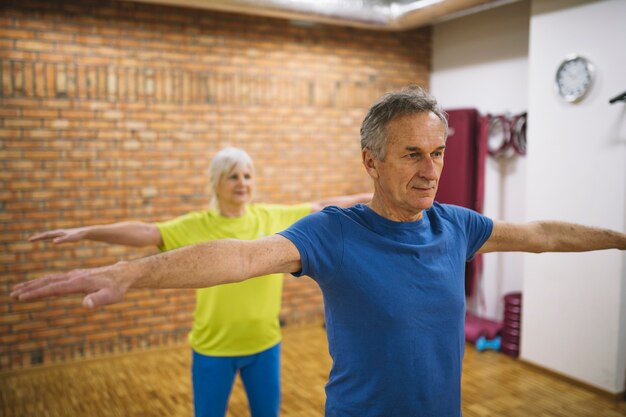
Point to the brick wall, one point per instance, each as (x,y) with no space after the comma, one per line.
(111,111)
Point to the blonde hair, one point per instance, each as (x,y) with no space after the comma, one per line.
(224,163)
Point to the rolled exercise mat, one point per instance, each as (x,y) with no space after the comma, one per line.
(511,325)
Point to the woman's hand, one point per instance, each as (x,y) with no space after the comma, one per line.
(131,233)
(60,235)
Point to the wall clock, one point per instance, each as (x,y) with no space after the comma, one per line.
(574,78)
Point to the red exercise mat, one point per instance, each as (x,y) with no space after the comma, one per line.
(476,327)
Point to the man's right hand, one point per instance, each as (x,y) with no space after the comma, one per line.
(101,286)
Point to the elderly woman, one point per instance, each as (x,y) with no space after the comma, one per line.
(235,326)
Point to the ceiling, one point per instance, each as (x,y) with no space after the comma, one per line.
(368,14)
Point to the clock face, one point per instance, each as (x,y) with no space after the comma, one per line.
(574,78)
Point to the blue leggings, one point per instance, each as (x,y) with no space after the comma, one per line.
(213,378)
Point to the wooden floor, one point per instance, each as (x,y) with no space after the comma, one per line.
(156,383)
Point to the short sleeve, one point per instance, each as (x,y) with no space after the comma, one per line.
(473,227)
(284,216)
(174,231)
(478,229)
(319,239)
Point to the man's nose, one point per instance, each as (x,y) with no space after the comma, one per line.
(428,170)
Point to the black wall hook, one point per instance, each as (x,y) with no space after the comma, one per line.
(620,97)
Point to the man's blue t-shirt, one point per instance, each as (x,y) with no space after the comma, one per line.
(395,305)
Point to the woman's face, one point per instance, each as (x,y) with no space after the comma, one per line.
(236,187)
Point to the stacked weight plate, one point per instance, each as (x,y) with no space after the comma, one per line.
(512,324)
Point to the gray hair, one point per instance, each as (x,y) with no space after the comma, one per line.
(225,162)
(409,100)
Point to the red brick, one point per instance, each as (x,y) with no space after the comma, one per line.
(134,331)
(40,113)
(28,325)
(46,334)
(23,123)
(110,336)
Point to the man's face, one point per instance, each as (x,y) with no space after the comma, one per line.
(407,180)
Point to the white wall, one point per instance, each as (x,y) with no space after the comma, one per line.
(573,310)
(481,61)
(504,59)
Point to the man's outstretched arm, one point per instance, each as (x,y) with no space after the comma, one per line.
(198,266)
(551,236)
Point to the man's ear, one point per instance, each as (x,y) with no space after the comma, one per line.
(369,162)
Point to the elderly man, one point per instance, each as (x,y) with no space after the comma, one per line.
(391,271)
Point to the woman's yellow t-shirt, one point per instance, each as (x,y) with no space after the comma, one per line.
(240,318)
